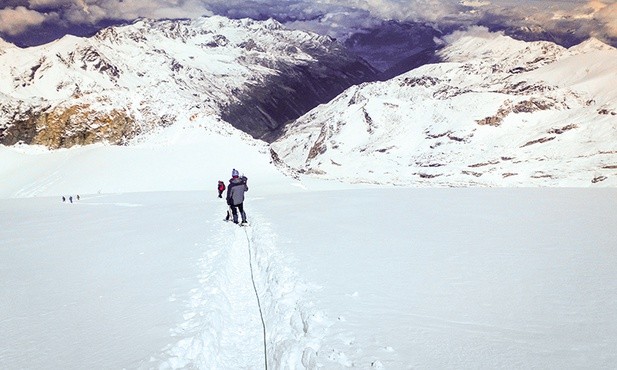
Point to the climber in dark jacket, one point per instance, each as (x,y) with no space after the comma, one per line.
(235,195)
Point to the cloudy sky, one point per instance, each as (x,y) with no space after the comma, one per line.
(31,22)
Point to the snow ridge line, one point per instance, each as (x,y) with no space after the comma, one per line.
(261,314)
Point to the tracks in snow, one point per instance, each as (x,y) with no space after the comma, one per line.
(242,332)
(223,327)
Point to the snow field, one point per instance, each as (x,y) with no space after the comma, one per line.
(93,283)
(457,278)
(367,278)
(86,293)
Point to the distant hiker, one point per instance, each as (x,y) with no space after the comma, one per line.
(71,199)
(221,188)
(77,196)
(63,199)
(235,195)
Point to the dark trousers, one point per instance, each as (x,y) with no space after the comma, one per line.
(234,211)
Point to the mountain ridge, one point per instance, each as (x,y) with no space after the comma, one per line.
(152,71)
(495,112)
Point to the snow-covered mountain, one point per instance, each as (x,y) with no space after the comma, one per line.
(128,80)
(496,112)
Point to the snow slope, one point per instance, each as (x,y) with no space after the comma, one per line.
(179,158)
(496,112)
(142,272)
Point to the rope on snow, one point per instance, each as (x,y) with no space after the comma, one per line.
(261,315)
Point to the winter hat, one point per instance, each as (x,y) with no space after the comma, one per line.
(235,173)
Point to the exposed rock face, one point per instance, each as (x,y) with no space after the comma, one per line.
(65,127)
(525,106)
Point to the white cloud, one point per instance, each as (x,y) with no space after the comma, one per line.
(404,9)
(95,10)
(598,18)
(596,5)
(473,31)
(14,21)
(475,3)
(608,16)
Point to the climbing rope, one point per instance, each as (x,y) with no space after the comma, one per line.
(261,315)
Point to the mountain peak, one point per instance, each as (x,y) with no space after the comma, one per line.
(589,45)
(273,24)
(478,43)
